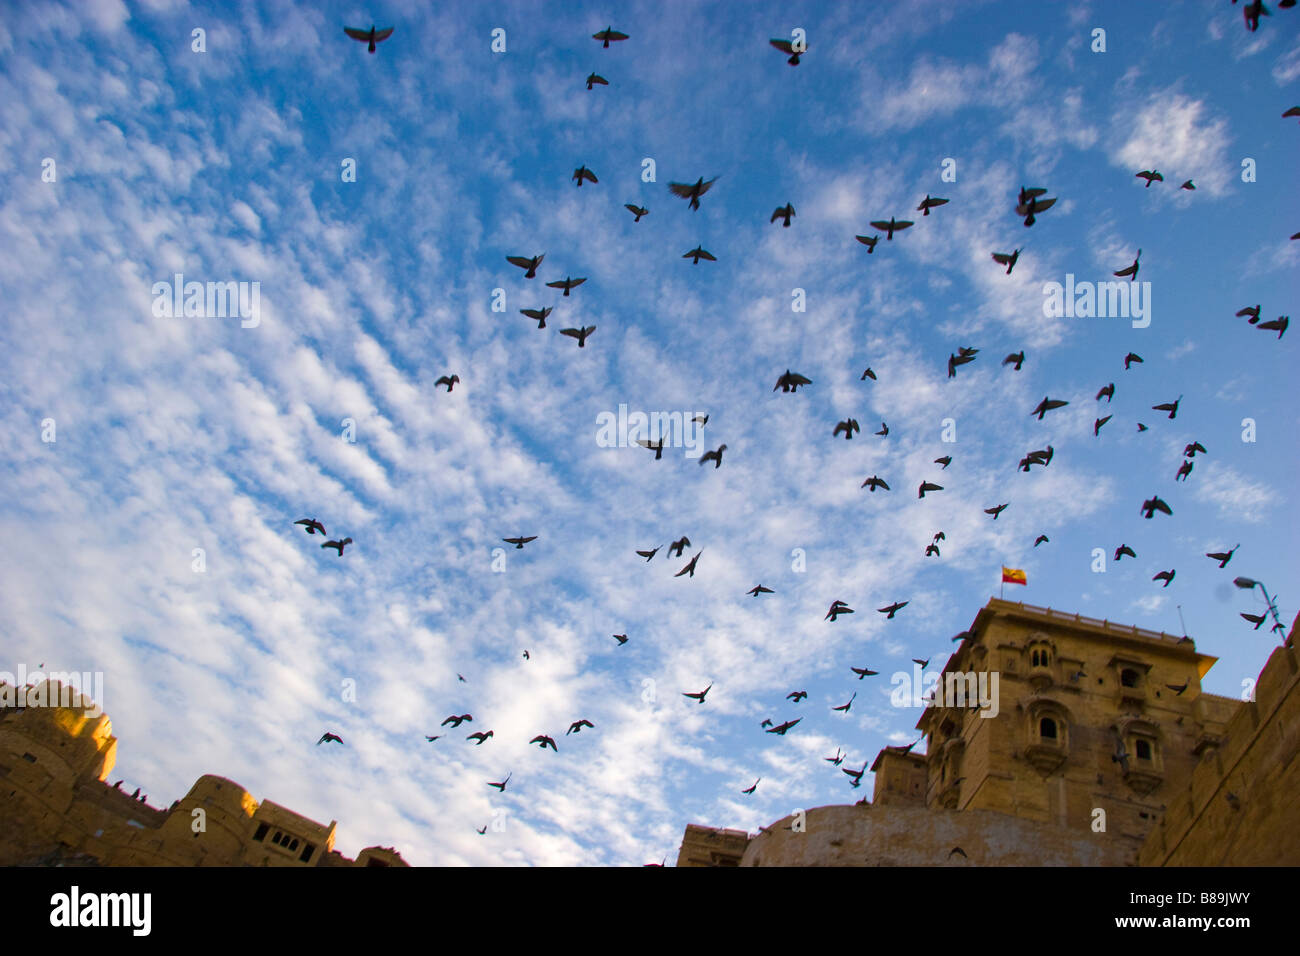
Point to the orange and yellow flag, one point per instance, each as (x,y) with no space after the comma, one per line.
(1013,576)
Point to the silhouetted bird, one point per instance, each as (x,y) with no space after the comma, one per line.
(946,460)
(593,79)
(1188,185)
(929,203)
(786,47)
(1165,576)
(1041,539)
(338,545)
(927,486)
(524,262)
(538,314)
(690,568)
(637,211)
(1179,688)
(995,511)
(1151,176)
(577,725)
(544,741)
(1046,405)
(785,212)
(1122,550)
(325,738)
(869,242)
(758,589)
(1190,451)
(649,554)
(714,456)
(607,36)
(844,708)
(848,427)
(1017,357)
(1154,504)
(698,253)
(656,447)
(1223,557)
(456,721)
(863,671)
(782,728)
(581,173)
(699,696)
(1030,204)
(1007,259)
(678,547)
(479,736)
(892,609)
(1108,391)
(566,284)
(621,638)
(1130,271)
(579,334)
(790,382)
(868,374)
(449,381)
(1170,407)
(520,541)
(797,695)
(1096,425)
(369,37)
(891,226)
(312,525)
(1277,325)
(873,483)
(1184,470)
(838,608)
(754,787)
(692,191)
(1130,359)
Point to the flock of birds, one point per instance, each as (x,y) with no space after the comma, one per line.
(1030,203)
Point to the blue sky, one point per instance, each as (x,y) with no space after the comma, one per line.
(180,433)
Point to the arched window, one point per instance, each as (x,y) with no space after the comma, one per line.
(1143,749)
(1047,728)
(1128,677)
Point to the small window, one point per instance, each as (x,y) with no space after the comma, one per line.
(1128,677)
(294,845)
(1143,748)
(307,851)
(30,758)
(1047,728)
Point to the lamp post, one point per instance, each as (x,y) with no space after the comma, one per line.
(1247,584)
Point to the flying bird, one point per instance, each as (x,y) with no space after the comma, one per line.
(884,430)
(1170,407)
(848,427)
(837,759)
(1223,557)
(324,738)
(785,212)
(621,638)
(312,525)
(432,739)
(929,203)
(1130,271)
(448,380)
(699,696)
(1122,550)
(1015,357)
(1152,505)
(479,736)
(581,173)
(702,419)
(579,334)
(863,671)
(698,253)
(855,775)
(592,80)
(946,460)
(1007,259)
(577,725)
(1190,450)
(785,46)
(520,541)
(1108,391)
(1184,470)
(530,265)
(869,242)
(679,546)
(782,728)
(714,456)
(844,708)
(868,374)
(927,486)
(1041,539)
(501,787)
(544,741)
(608,35)
(758,589)
(637,211)
(1256,619)
(932,551)
(892,609)
(1188,185)
(754,787)
(1096,425)
(656,447)
(649,554)
(338,545)
(797,695)
(1277,325)
(924,663)
(957,360)
(456,721)
(790,382)
(1252,11)
(1030,204)
(566,283)
(873,483)
(1046,405)
(1166,576)
(694,191)
(1151,176)
(369,37)
(690,568)
(996,510)
(891,226)
(838,608)
(1130,359)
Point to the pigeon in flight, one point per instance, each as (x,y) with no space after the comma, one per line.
(690,568)
(863,671)
(1018,358)
(338,545)
(868,374)
(698,253)
(758,589)
(581,173)
(848,427)
(838,608)
(579,334)
(637,211)
(1190,450)
(1277,325)
(927,486)
(785,212)
(621,638)
(479,736)
(698,697)
(1108,391)
(1030,204)
(544,741)
(1096,425)
(312,525)
(890,227)
(869,242)
(530,265)
(449,381)
(855,775)
(693,192)
(369,37)
(892,609)
(754,787)
(1122,550)
(432,739)
(577,725)
(456,721)
(656,447)
(501,786)
(649,554)
(1256,619)
(325,738)
(1223,557)
(1184,470)
(844,708)
(1151,176)
(1007,259)
(790,382)
(714,456)
(1130,359)
(1041,539)
(797,695)
(929,203)
(873,483)
(520,541)
(837,759)
(1046,405)
(1130,271)
(592,80)
(566,283)
(946,460)
(679,546)
(782,728)
(1170,407)
(1166,576)
(786,47)
(1152,505)
(1188,185)
(997,510)
(607,36)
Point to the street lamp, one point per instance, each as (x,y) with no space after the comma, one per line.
(1247,584)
